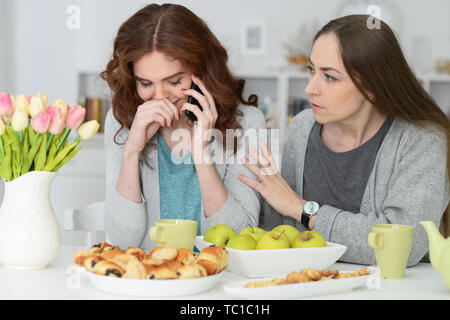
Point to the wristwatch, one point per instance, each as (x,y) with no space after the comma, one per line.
(309,209)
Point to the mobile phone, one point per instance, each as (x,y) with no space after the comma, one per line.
(194,101)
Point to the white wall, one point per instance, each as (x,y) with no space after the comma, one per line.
(46,56)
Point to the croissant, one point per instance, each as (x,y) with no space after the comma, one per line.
(123,259)
(190,271)
(138,252)
(167,270)
(91,261)
(108,268)
(213,259)
(135,270)
(111,253)
(163,253)
(185,256)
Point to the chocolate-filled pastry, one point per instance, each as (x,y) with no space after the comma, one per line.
(95,251)
(135,270)
(138,252)
(108,268)
(102,245)
(186,256)
(111,253)
(190,271)
(80,256)
(163,253)
(167,270)
(213,259)
(123,259)
(91,261)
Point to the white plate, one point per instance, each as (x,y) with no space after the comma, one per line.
(295,290)
(153,288)
(270,263)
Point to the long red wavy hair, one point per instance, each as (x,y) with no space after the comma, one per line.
(179,33)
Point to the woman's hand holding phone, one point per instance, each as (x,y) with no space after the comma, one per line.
(150,116)
(206,118)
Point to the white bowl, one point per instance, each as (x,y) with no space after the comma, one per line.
(270,263)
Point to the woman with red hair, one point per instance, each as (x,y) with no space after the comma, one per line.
(158,52)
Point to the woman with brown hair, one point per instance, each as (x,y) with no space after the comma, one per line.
(373,149)
(158,52)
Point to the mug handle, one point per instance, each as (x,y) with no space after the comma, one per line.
(375,240)
(157,234)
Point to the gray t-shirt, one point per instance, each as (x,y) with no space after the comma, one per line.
(339,178)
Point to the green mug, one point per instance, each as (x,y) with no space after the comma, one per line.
(392,245)
(176,233)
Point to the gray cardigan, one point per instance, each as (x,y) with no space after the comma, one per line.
(127,223)
(408,183)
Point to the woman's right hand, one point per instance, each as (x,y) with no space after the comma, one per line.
(150,116)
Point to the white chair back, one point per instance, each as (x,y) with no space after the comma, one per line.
(89,219)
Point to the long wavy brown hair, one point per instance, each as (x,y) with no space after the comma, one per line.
(375,62)
(179,33)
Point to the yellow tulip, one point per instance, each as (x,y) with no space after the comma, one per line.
(19,120)
(21,104)
(62,106)
(88,129)
(37,104)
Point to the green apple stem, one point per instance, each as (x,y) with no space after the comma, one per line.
(279,235)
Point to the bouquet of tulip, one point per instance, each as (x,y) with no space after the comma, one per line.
(33,135)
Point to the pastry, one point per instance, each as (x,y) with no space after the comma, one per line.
(213,259)
(330,273)
(185,256)
(165,271)
(153,262)
(111,253)
(95,251)
(135,270)
(138,252)
(189,271)
(123,259)
(80,256)
(108,268)
(361,272)
(91,261)
(344,275)
(295,277)
(163,253)
(102,245)
(312,273)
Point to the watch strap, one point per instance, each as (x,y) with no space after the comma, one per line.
(305,220)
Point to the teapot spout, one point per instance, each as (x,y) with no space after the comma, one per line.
(435,240)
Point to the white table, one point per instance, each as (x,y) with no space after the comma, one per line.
(62,281)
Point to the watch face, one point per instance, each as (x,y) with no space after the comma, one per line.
(311,207)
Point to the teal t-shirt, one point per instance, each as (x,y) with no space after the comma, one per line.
(179,190)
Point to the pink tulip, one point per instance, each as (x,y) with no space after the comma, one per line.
(57,121)
(75,116)
(40,122)
(6,105)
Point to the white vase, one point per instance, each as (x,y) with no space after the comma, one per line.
(30,235)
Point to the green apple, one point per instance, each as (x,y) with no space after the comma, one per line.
(242,242)
(309,239)
(255,232)
(219,234)
(291,231)
(273,240)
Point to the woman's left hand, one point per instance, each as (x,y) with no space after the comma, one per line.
(271,184)
(206,119)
